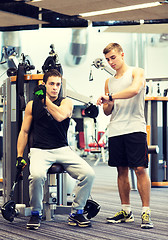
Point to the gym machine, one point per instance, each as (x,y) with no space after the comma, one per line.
(9,93)
(156,117)
(17,89)
(10,134)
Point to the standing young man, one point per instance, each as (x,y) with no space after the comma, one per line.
(124,101)
(50,126)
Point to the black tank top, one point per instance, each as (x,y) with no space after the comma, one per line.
(47,132)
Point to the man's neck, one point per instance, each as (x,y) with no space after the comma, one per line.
(52,99)
(120,72)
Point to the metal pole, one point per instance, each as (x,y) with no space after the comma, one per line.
(165,139)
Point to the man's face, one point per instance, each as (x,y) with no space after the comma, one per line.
(115,58)
(53,86)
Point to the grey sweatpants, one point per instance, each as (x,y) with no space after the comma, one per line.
(78,168)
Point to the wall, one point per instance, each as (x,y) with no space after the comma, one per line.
(156,57)
(36,45)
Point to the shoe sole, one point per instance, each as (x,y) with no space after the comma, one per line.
(146,226)
(78,224)
(34,227)
(121,221)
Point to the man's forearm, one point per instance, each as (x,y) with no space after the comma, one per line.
(21,143)
(60,112)
(107,108)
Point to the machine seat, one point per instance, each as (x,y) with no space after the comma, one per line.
(56,168)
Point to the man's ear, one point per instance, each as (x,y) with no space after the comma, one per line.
(43,83)
(122,54)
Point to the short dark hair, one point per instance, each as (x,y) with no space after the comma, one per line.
(50,73)
(112,46)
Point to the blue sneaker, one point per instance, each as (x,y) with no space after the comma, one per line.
(78,219)
(34,221)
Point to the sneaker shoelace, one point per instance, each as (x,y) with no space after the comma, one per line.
(145,217)
(121,212)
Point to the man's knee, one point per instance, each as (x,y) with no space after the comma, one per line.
(91,174)
(88,175)
(139,171)
(122,172)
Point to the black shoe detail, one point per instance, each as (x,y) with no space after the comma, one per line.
(121,217)
(78,220)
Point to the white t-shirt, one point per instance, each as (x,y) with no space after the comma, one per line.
(128,114)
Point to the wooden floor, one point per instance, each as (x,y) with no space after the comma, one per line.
(106,194)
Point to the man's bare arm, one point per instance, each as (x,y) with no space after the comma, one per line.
(61,112)
(129,92)
(107,104)
(137,83)
(23,135)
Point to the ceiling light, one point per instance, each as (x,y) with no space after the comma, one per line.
(141,21)
(27,0)
(122,9)
(35,0)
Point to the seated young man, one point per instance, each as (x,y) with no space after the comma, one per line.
(50,116)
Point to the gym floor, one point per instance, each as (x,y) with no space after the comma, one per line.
(104,192)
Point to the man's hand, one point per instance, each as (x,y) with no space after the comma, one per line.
(40,91)
(20,162)
(103,99)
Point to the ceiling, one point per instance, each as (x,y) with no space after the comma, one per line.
(73,7)
(9,19)
(18,15)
